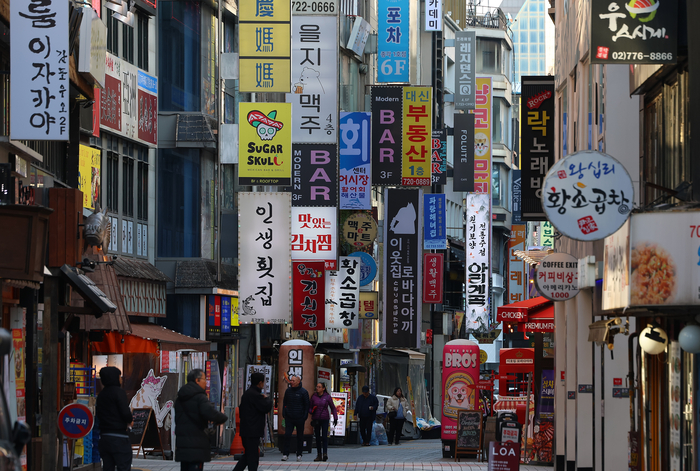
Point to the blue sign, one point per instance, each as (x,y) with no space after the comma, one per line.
(75,421)
(435,226)
(148,83)
(354,160)
(393,40)
(368,267)
(225,314)
(517,197)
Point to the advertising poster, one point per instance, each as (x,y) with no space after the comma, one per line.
(89,182)
(314,235)
(434,222)
(616,268)
(354,161)
(402,268)
(393,40)
(264,369)
(478,260)
(265,144)
(517,270)
(296,358)
(433,264)
(460,371)
(439,157)
(465,77)
(340,400)
(482,136)
(314,96)
(308,295)
(264,288)
(387,133)
(463,152)
(314,175)
(417,136)
(537,143)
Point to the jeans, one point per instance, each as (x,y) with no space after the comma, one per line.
(115,453)
(321,430)
(366,424)
(395,427)
(289,426)
(250,458)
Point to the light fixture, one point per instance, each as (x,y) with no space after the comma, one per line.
(689,338)
(653,340)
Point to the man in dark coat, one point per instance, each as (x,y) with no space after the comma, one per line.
(366,410)
(114,417)
(254,406)
(193,411)
(295,413)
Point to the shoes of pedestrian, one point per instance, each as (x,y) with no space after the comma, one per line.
(298,457)
(325,457)
(285,457)
(318,457)
(390,443)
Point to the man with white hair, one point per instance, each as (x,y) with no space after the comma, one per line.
(295,412)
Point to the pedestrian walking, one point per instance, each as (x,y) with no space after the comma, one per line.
(114,418)
(193,412)
(253,409)
(397,410)
(295,412)
(366,409)
(321,402)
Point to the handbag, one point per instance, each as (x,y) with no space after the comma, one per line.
(392,414)
(314,423)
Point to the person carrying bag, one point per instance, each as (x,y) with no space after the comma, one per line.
(397,411)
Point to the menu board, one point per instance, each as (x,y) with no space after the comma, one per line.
(469,430)
(340,399)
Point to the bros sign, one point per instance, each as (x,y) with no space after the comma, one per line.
(461,360)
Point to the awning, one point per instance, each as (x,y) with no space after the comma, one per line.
(411,354)
(518,312)
(169,339)
(541,320)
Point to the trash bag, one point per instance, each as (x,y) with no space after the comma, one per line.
(379,435)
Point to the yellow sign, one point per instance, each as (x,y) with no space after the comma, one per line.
(234,312)
(264,11)
(482,136)
(89,175)
(360,229)
(265,40)
(417,136)
(369,305)
(265,75)
(483,356)
(265,144)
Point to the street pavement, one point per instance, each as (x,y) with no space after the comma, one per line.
(413,455)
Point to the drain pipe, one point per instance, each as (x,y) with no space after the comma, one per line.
(630,379)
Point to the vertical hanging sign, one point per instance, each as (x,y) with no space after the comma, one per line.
(314,175)
(349,292)
(478,260)
(314,234)
(433,15)
(463,149)
(417,136)
(308,295)
(387,116)
(354,161)
(482,136)
(465,81)
(517,270)
(439,158)
(393,34)
(517,196)
(433,264)
(402,268)
(265,144)
(434,224)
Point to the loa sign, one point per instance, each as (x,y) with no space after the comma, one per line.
(504,456)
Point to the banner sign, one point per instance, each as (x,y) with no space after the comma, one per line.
(264,46)
(434,223)
(354,161)
(482,136)
(89,183)
(402,267)
(315,234)
(463,149)
(478,260)
(265,144)
(308,296)
(332,295)
(369,305)
(517,196)
(222,322)
(433,266)
(39,60)
(314,175)
(387,132)
(517,270)
(635,32)
(465,77)
(340,401)
(263,241)
(314,96)
(417,136)
(393,40)
(433,15)
(547,235)
(349,292)
(439,157)
(537,142)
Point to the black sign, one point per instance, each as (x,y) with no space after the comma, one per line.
(144,432)
(537,123)
(314,175)
(621,392)
(517,197)
(641,32)
(439,158)
(469,429)
(572,394)
(402,268)
(463,146)
(387,135)
(585,389)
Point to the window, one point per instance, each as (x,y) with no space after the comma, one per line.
(112,33)
(128,43)
(142,188)
(488,60)
(523,36)
(128,180)
(142,42)
(523,48)
(533,5)
(496,185)
(500,121)
(533,22)
(533,36)
(533,48)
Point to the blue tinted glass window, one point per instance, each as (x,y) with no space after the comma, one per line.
(541,36)
(542,65)
(533,22)
(533,5)
(533,48)
(523,48)
(523,36)
(533,65)
(542,22)
(533,36)
(541,48)
(523,67)
(541,6)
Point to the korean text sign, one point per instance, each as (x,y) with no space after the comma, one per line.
(478,260)
(387,116)
(482,136)
(314,175)
(265,370)
(434,224)
(314,79)
(354,160)
(641,32)
(433,264)
(265,144)
(402,268)
(39,59)
(296,358)
(465,78)
(340,400)
(587,195)
(343,294)
(439,157)
(463,150)
(89,176)
(537,156)
(557,277)
(314,234)
(308,295)
(264,251)
(417,136)
(393,40)
(433,15)
(369,305)
(517,272)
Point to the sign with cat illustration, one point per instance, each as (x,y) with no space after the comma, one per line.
(147,396)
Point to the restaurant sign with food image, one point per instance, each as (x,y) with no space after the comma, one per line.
(653,260)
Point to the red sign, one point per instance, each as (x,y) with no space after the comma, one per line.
(75,421)
(617,381)
(504,456)
(563,375)
(505,315)
(148,117)
(433,264)
(429,336)
(536,326)
(482,384)
(309,295)
(111,104)
(217,311)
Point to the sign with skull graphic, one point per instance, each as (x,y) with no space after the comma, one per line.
(265,144)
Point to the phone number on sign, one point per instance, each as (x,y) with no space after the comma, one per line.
(313,7)
(639,56)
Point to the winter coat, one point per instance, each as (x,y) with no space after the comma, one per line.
(193,411)
(320,405)
(296,404)
(363,404)
(392,404)
(112,407)
(252,412)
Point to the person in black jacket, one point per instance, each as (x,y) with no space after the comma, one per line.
(114,417)
(366,410)
(295,412)
(254,406)
(192,413)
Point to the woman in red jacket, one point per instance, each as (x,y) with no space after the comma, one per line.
(321,401)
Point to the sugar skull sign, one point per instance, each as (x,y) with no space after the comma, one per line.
(265,144)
